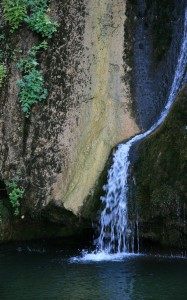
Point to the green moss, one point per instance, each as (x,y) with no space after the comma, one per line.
(4,214)
(162,171)
(3,72)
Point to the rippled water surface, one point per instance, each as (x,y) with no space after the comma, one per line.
(41,273)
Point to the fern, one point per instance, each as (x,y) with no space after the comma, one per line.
(39,21)
(31,86)
(32,90)
(14,11)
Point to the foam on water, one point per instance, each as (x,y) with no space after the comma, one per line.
(101,256)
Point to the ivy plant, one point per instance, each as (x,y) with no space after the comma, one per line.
(15,194)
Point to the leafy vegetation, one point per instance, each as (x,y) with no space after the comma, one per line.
(3,71)
(32,83)
(38,20)
(26,65)
(2,37)
(35,14)
(15,12)
(31,90)
(15,194)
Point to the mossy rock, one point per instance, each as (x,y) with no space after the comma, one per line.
(4,213)
(4,222)
(161,173)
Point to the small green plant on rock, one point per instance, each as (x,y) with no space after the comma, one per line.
(26,65)
(3,72)
(15,194)
(14,11)
(32,90)
(32,83)
(39,20)
(2,37)
(35,14)
(41,23)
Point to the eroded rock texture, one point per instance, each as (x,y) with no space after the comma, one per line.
(61,150)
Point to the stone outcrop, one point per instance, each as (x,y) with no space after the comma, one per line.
(61,150)
(102,113)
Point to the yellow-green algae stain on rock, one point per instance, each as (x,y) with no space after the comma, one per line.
(105,119)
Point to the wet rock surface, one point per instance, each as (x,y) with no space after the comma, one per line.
(161,191)
(158,32)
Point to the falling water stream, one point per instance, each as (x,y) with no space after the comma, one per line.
(115,232)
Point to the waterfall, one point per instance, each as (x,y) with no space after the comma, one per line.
(115,232)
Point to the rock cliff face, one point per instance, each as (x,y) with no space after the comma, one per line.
(61,150)
(158,34)
(108,68)
(100,116)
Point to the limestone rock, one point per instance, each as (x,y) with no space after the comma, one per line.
(61,150)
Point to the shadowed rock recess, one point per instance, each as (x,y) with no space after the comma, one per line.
(96,70)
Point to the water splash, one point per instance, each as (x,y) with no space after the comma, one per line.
(87,257)
(115,232)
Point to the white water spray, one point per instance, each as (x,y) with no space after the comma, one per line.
(115,231)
